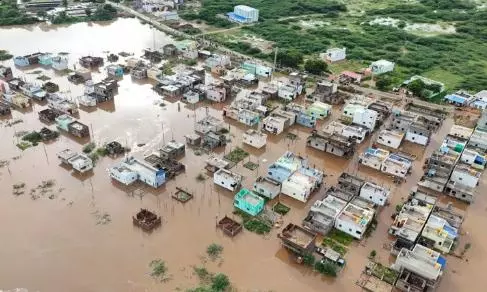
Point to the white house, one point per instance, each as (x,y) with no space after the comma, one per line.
(439,232)
(153,73)
(396,165)
(461,132)
(356,132)
(267,187)
(323,214)
(254,138)
(390,138)
(65,155)
(216,93)
(244,14)
(381,66)
(59,63)
(474,158)
(287,92)
(334,55)
(418,133)
(131,169)
(365,117)
(81,163)
(274,125)
(298,186)
(465,175)
(227,179)
(374,193)
(355,218)
(478,139)
(373,157)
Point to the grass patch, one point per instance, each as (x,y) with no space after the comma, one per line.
(236,155)
(214,251)
(384,273)
(251,165)
(159,270)
(340,237)
(291,136)
(102,151)
(43,78)
(328,242)
(201,177)
(24,145)
(4,55)
(326,268)
(253,224)
(33,137)
(280,208)
(88,148)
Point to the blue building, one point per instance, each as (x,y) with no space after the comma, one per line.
(306,120)
(459,98)
(244,14)
(286,165)
(249,202)
(45,59)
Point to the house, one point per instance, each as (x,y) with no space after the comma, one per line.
(105,90)
(154,73)
(214,163)
(418,133)
(439,168)
(319,110)
(131,169)
(49,115)
(216,93)
(267,187)
(355,218)
(290,117)
(254,138)
(270,90)
(459,98)
(460,132)
(172,150)
(33,91)
(356,133)
(474,157)
(322,215)
(287,92)
(62,104)
(59,63)
(478,140)
(299,186)
(243,14)
(334,55)
(396,165)
(213,140)
(6,73)
(169,50)
(410,221)
(27,60)
(375,193)
(17,99)
(248,202)
(347,77)
(4,109)
(91,62)
(438,234)
(402,120)
(460,191)
(336,144)
(302,117)
(139,71)
(78,129)
(349,183)
(62,121)
(390,138)
(65,155)
(383,109)
(341,193)
(420,269)
(365,117)
(248,117)
(227,179)
(274,125)
(218,60)
(373,157)
(285,166)
(298,240)
(381,66)
(466,175)
(326,91)
(114,70)
(479,100)
(431,116)
(45,59)
(154,56)
(256,69)
(207,124)
(192,97)
(81,163)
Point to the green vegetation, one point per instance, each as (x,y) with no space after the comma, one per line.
(254,224)
(220,282)
(340,237)
(371,228)
(315,66)
(102,151)
(4,55)
(454,58)
(88,148)
(236,155)
(201,177)
(33,137)
(159,270)
(103,12)
(328,242)
(280,208)
(309,259)
(251,165)
(214,250)
(384,273)
(23,145)
(372,254)
(326,268)
(10,14)
(399,207)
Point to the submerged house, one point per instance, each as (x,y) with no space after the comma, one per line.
(131,169)
(297,239)
(390,138)
(248,202)
(438,234)
(6,73)
(172,150)
(59,63)
(420,269)
(27,60)
(375,193)
(326,91)
(91,62)
(227,179)
(285,166)
(373,157)
(301,184)
(275,125)
(355,218)
(254,138)
(319,110)
(335,144)
(114,70)
(267,187)
(396,165)
(322,215)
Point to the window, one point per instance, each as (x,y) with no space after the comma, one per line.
(358,232)
(439,243)
(460,178)
(388,141)
(412,138)
(464,196)
(350,229)
(370,197)
(339,225)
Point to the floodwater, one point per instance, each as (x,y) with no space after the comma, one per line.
(62,240)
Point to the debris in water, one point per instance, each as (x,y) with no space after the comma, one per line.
(141,145)
(102,218)
(4,163)
(18,189)
(13,122)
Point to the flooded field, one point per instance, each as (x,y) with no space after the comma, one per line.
(75,233)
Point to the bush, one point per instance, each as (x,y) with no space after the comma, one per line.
(315,66)
(220,282)
(88,148)
(309,259)
(326,268)
(372,254)
(214,250)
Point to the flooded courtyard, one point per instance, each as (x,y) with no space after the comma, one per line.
(68,232)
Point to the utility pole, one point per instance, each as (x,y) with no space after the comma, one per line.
(275,62)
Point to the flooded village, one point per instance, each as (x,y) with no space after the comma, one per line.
(123,145)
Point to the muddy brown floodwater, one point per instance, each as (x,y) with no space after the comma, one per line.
(78,236)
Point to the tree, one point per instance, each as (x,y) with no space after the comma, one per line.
(289,58)
(41,14)
(315,66)
(88,12)
(383,82)
(65,3)
(416,87)
(309,259)
(220,282)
